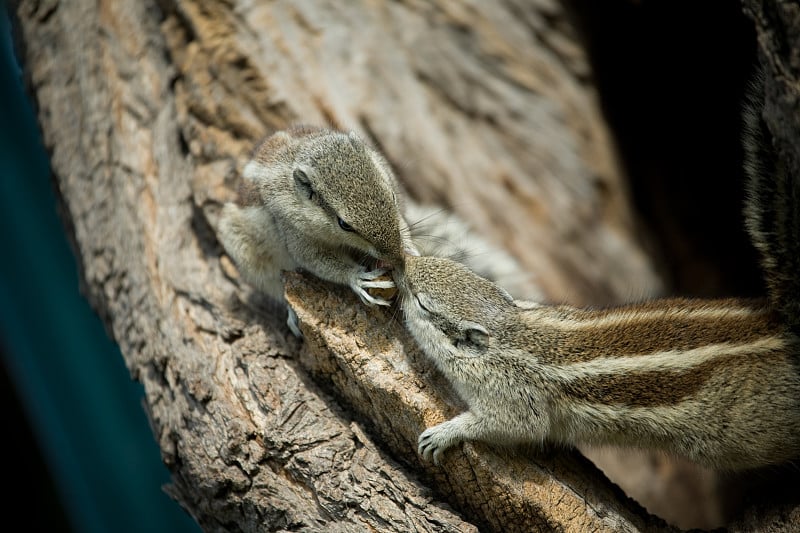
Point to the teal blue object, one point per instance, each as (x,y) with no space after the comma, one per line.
(85,411)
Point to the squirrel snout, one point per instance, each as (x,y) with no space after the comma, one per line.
(393,260)
(385,265)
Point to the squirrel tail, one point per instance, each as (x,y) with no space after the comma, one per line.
(772,205)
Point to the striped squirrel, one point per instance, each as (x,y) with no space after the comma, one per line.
(323,201)
(715,381)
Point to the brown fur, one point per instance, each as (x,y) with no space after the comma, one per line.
(676,329)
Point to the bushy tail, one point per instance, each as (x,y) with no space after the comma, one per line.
(441,233)
(772,204)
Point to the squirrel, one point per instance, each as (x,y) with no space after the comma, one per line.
(714,381)
(323,201)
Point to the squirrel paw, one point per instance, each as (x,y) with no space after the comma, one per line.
(363,280)
(433,442)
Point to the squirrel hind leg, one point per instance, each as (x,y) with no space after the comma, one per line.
(243,233)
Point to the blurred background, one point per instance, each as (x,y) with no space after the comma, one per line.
(82,455)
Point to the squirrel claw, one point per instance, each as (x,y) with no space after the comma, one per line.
(364,279)
(429,446)
(368,299)
(369,275)
(378,284)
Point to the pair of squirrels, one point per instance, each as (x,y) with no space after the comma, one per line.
(715,381)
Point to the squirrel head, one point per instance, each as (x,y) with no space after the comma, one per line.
(343,191)
(358,189)
(445,303)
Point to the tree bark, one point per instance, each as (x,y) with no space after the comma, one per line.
(149,111)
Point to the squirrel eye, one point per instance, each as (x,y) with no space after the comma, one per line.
(344,225)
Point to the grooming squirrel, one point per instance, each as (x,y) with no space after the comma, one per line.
(717,381)
(323,201)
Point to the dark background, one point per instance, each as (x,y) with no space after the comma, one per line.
(671,76)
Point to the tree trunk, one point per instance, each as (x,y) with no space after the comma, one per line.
(149,110)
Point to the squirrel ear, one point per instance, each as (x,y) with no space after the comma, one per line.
(301,177)
(506,294)
(303,184)
(426,303)
(475,334)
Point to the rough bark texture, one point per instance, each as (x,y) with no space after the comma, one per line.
(149,110)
